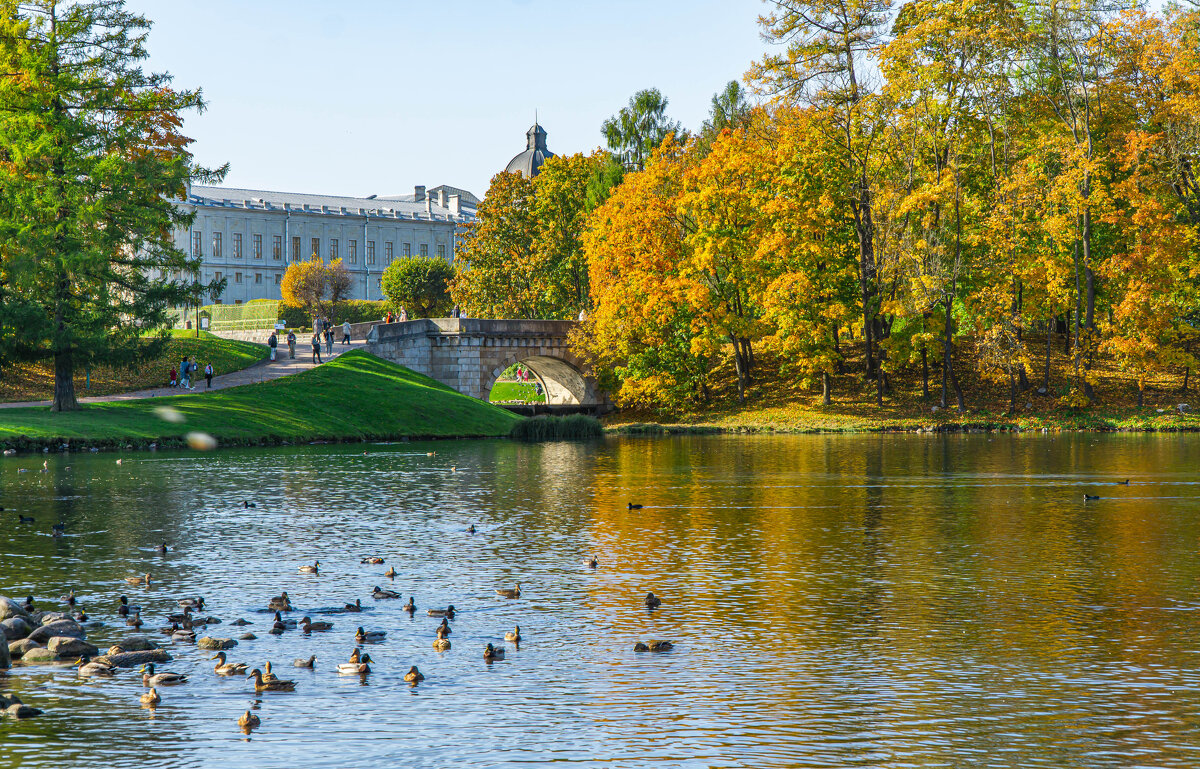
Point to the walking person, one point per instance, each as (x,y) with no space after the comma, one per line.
(291,340)
(185,372)
(316,345)
(455,312)
(328,340)
(346,332)
(208,375)
(174,380)
(272,342)
(195,367)
(403,314)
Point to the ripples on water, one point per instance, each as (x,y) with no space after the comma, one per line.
(840,601)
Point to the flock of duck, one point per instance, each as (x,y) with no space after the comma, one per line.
(184,622)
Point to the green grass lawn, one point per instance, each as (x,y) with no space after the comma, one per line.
(35,381)
(356,396)
(509,392)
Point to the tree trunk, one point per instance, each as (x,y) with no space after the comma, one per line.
(925,372)
(740,365)
(1067,334)
(1090,280)
(947,356)
(1024,378)
(825,394)
(1141,393)
(1186,371)
(64,382)
(1046,374)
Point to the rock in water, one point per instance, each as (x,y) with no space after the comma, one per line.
(135,643)
(65,646)
(216,644)
(10,608)
(14,629)
(39,655)
(5,658)
(21,711)
(61,628)
(133,659)
(18,649)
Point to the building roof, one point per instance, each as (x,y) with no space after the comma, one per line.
(330,205)
(535,154)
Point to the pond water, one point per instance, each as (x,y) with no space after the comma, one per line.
(833,600)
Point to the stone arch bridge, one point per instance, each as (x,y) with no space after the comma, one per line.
(469,354)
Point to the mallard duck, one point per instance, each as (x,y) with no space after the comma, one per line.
(493,653)
(58,529)
(142,580)
(150,678)
(308,663)
(195,603)
(162,549)
(513,635)
(390,573)
(29,604)
(441,643)
(471,529)
(69,598)
(26,518)
(356,606)
(313,568)
(356,666)
(135,621)
(224,668)
(281,624)
(247,504)
(79,616)
(654,646)
(411,606)
(87,668)
(369,636)
(274,685)
(379,593)
(634,506)
(444,628)
(184,634)
(183,616)
(446,612)
(1090,498)
(280,602)
(356,655)
(414,676)
(249,721)
(507,593)
(308,626)
(652,601)
(123,608)
(151,698)
(374,560)
(591,562)
(269,675)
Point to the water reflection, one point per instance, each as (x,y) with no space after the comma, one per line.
(834,601)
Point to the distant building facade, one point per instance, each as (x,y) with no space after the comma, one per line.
(251,236)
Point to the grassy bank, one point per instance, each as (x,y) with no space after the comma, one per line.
(778,402)
(35,381)
(357,396)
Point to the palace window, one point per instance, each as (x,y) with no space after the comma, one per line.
(257,278)
(258,246)
(353,252)
(408,249)
(277,247)
(316,248)
(387,252)
(237,245)
(278,278)
(333,249)
(370,252)
(237,277)
(216,245)
(441,251)
(197,244)
(217,275)
(424,249)
(296,248)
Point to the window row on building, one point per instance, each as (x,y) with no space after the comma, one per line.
(256,248)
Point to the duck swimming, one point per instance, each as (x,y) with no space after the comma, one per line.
(280,602)
(136,620)
(513,635)
(652,601)
(249,721)
(151,698)
(313,568)
(87,668)
(224,668)
(162,549)
(124,608)
(194,603)
(353,607)
(308,663)
(591,562)
(274,685)
(308,626)
(356,666)
(380,594)
(150,678)
(493,653)
(414,676)
(446,612)
(390,573)
(444,628)
(369,636)
(142,580)
(510,592)
(411,606)
(373,560)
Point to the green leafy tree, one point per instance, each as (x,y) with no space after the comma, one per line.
(637,129)
(729,110)
(420,284)
(93,161)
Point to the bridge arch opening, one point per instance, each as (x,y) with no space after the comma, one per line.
(560,383)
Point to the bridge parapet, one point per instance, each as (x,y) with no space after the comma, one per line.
(468,354)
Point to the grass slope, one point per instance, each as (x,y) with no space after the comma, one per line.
(515,392)
(356,396)
(35,381)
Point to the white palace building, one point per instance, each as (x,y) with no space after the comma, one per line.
(250,236)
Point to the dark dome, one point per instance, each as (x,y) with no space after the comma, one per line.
(529,161)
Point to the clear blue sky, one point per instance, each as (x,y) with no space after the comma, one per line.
(375,96)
